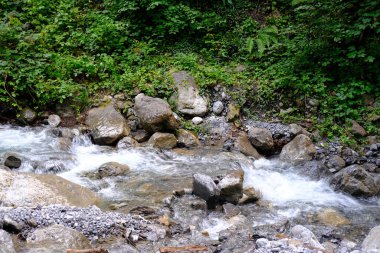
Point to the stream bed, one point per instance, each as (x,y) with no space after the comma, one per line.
(154,174)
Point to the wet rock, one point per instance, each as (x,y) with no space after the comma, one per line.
(63,143)
(372,243)
(233,112)
(250,195)
(358,129)
(42,190)
(335,163)
(54,120)
(6,243)
(110,169)
(12,160)
(155,114)
(27,115)
(162,140)
(197,120)
(218,107)
(11,225)
(56,238)
(299,150)
(127,142)
(306,236)
(107,125)
(230,210)
(187,98)
(205,187)
(51,166)
(243,145)
(260,138)
(187,139)
(231,186)
(356,181)
(140,135)
(331,217)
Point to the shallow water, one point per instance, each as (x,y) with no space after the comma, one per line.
(154,174)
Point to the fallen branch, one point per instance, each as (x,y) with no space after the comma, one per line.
(183,249)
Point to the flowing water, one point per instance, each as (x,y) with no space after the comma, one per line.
(154,174)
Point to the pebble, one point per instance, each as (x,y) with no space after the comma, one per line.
(91,221)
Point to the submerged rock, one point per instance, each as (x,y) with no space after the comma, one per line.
(299,150)
(110,169)
(331,217)
(155,114)
(356,181)
(205,187)
(162,140)
(107,125)
(187,98)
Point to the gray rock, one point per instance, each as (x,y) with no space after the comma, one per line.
(187,139)
(140,135)
(263,243)
(107,125)
(243,145)
(295,129)
(12,160)
(54,120)
(250,194)
(6,243)
(110,169)
(299,150)
(187,98)
(127,142)
(372,241)
(231,186)
(230,210)
(162,140)
(335,163)
(218,107)
(28,115)
(356,181)
(154,114)
(306,236)
(56,238)
(260,138)
(197,120)
(205,187)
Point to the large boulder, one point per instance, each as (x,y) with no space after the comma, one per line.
(299,150)
(260,138)
(355,180)
(231,186)
(6,243)
(154,114)
(162,140)
(55,238)
(205,187)
(41,190)
(243,145)
(187,97)
(107,125)
(372,242)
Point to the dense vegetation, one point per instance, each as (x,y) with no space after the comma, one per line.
(296,51)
